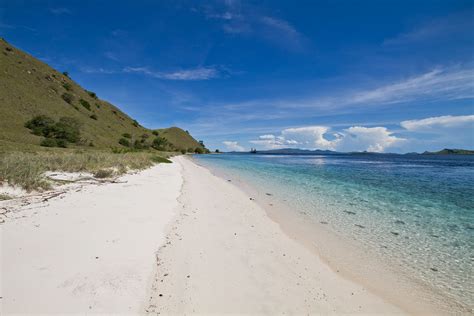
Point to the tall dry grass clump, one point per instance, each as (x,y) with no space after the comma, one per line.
(27,169)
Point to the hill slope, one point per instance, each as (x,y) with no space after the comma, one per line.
(29,87)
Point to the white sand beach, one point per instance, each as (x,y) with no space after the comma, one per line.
(173,239)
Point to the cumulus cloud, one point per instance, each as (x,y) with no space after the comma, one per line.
(373,139)
(355,138)
(439,122)
(233,146)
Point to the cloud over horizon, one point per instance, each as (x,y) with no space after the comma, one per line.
(372,139)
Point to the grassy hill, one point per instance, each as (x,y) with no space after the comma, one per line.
(29,87)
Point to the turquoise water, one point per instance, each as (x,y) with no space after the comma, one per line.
(417,210)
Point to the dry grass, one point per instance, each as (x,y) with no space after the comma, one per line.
(27,169)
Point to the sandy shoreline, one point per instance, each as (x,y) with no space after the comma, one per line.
(87,250)
(225,255)
(173,239)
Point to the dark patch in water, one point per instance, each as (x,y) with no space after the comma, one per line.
(399,222)
(323,222)
(395,233)
(269,194)
(360,226)
(435,236)
(434,269)
(350,212)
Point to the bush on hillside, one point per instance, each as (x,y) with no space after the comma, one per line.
(93,116)
(66,73)
(159,143)
(135,123)
(57,134)
(85,104)
(199,150)
(124,142)
(67,97)
(39,123)
(92,94)
(155,133)
(190,150)
(183,151)
(127,135)
(67,86)
(49,142)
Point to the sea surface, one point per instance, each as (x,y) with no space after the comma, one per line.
(417,210)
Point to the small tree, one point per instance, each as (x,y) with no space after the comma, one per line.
(159,143)
(199,150)
(127,135)
(124,142)
(85,104)
(67,86)
(66,74)
(67,97)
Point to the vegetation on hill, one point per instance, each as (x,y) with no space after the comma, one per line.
(30,88)
(42,109)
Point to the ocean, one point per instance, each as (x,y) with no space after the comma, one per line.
(414,210)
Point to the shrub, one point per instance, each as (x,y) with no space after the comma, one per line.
(85,104)
(67,86)
(67,97)
(39,123)
(183,151)
(135,123)
(145,136)
(57,134)
(61,143)
(155,133)
(140,145)
(97,105)
(103,173)
(190,150)
(217,151)
(66,74)
(93,116)
(92,94)
(49,142)
(159,143)
(124,142)
(68,129)
(127,135)
(199,150)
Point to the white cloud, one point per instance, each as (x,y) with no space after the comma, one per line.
(439,122)
(356,138)
(373,139)
(201,73)
(309,137)
(233,146)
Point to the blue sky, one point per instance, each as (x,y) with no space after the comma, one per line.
(392,76)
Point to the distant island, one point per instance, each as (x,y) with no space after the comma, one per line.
(297,151)
(447,151)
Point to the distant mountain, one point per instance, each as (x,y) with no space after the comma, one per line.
(447,151)
(29,87)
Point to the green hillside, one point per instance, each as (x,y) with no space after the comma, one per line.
(29,87)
